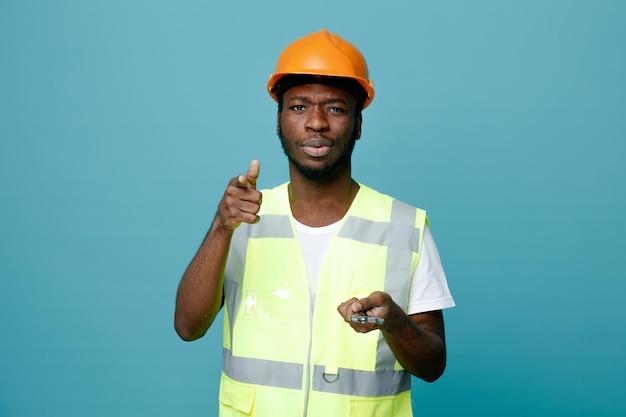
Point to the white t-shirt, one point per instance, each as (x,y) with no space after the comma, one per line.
(429,287)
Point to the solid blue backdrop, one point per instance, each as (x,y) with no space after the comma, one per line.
(122,121)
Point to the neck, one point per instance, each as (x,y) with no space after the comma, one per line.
(319,203)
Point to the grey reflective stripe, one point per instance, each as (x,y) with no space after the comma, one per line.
(402,213)
(262,372)
(362,383)
(233,274)
(392,235)
(289,375)
(399,268)
(400,256)
(272,225)
(269,226)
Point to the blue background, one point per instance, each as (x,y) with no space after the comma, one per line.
(122,121)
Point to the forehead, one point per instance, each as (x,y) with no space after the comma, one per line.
(316,92)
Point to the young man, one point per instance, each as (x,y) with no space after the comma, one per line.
(333,291)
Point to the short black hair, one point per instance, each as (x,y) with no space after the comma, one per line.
(349,85)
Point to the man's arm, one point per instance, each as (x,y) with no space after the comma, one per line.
(417,341)
(201,289)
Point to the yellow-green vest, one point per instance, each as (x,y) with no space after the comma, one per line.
(283,358)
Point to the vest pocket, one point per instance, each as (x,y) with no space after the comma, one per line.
(236,399)
(399,405)
(266,304)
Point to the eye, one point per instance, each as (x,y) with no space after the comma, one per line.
(298,107)
(336,109)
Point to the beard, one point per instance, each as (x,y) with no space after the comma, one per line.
(325,172)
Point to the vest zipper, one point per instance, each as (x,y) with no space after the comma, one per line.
(307,368)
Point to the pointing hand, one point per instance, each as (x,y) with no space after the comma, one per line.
(241,201)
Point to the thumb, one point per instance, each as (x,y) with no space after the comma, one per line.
(253,173)
(357,308)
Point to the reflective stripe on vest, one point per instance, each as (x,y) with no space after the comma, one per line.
(262,372)
(289,375)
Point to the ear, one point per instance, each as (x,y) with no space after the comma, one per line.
(357,127)
(278,123)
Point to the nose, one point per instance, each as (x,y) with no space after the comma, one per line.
(317,121)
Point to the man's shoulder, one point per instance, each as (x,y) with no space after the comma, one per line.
(383,198)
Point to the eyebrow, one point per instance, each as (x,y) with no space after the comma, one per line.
(331,100)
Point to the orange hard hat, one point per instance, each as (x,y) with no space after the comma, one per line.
(323,54)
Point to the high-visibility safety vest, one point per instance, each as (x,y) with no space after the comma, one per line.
(283,358)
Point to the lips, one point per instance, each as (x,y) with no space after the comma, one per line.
(317,147)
